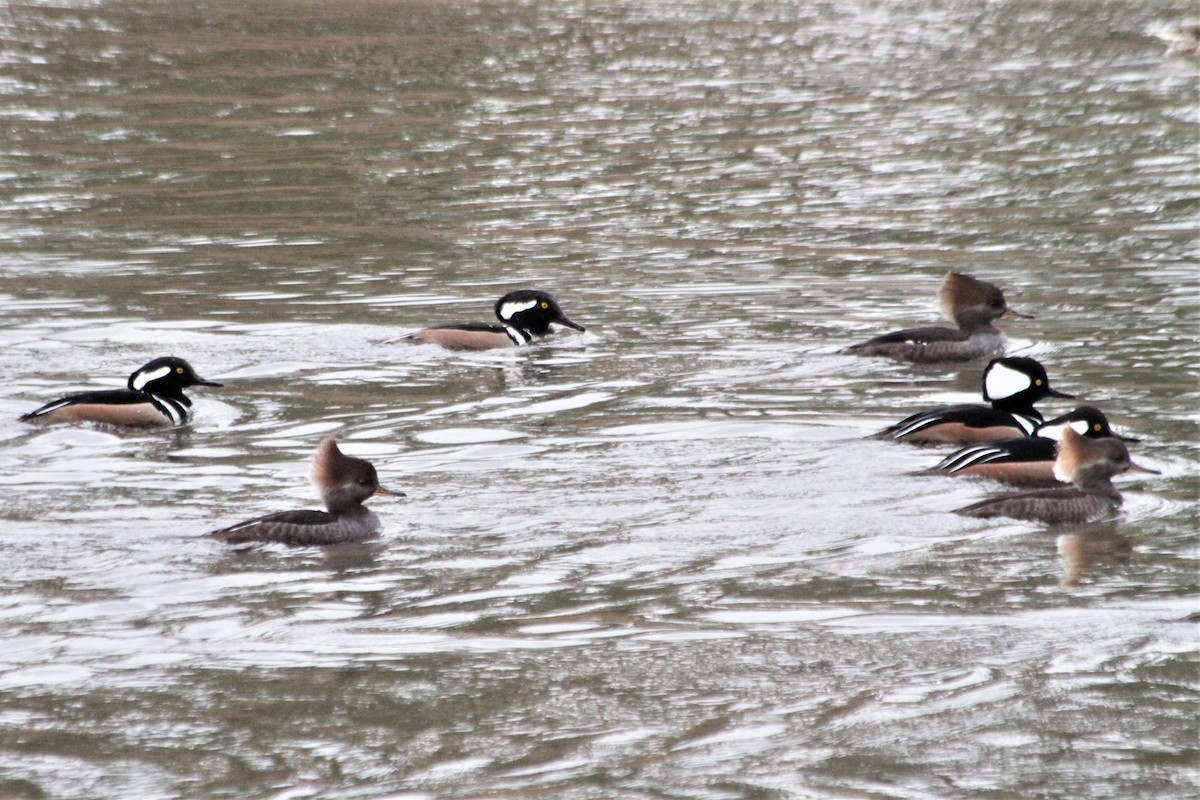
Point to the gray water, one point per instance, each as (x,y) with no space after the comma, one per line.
(656,560)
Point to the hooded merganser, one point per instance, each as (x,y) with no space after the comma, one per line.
(345,483)
(154,397)
(523,314)
(1012,385)
(972,304)
(1027,460)
(1180,37)
(1089,464)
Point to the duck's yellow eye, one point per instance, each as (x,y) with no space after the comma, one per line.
(1037,382)
(179,370)
(545,305)
(1096,427)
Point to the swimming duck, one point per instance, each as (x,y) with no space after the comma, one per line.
(1088,464)
(344,483)
(1011,385)
(153,397)
(524,315)
(1026,460)
(972,304)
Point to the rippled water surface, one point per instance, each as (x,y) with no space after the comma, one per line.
(655,560)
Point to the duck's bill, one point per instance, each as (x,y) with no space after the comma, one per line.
(1140,468)
(1012,313)
(382,492)
(1057,393)
(569,323)
(202,382)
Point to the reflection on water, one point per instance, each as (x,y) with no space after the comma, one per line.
(1091,549)
(657,558)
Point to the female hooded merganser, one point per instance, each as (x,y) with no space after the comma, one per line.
(1180,37)
(1027,460)
(1089,464)
(154,397)
(345,483)
(1012,385)
(523,314)
(972,304)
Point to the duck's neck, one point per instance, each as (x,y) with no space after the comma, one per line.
(1096,481)
(341,500)
(1021,408)
(519,336)
(973,322)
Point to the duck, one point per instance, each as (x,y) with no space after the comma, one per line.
(1088,464)
(1179,37)
(153,397)
(524,315)
(344,483)
(1026,460)
(973,304)
(1011,385)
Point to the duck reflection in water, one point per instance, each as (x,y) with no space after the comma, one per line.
(1090,547)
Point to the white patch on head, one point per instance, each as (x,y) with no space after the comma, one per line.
(142,378)
(1002,382)
(507,310)
(1055,432)
(1052,431)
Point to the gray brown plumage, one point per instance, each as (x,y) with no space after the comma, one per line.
(972,304)
(345,483)
(1088,464)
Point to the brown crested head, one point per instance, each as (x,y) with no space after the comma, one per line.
(970,301)
(1081,458)
(343,481)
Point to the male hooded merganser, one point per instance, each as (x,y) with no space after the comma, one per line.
(1089,464)
(972,304)
(154,397)
(1012,385)
(523,314)
(1027,460)
(345,483)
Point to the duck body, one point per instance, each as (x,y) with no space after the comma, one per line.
(153,397)
(1011,385)
(934,345)
(345,483)
(967,423)
(1026,460)
(467,336)
(304,527)
(1088,464)
(524,315)
(972,304)
(1053,506)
